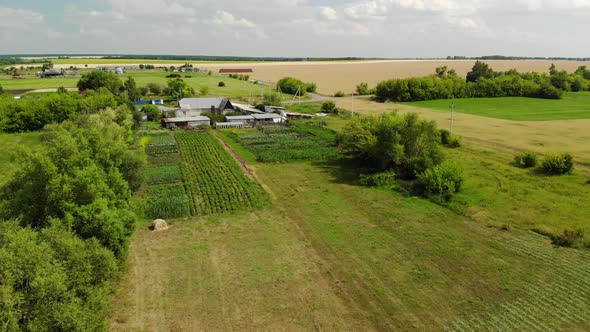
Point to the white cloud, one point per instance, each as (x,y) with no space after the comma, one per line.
(228,19)
(19,19)
(329,13)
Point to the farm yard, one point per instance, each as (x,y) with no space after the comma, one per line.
(276,228)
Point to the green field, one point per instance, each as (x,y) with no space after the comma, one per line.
(233,87)
(574,105)
(329,254)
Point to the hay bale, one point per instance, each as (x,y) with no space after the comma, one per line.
(159,225)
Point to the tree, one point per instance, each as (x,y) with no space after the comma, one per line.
(441,72)
(272,99)
(180,89)
(292,86)
(131,89)
(97,79)
(153,112)
(154,88)
(362,89)
(204,90)
(143,91)
(329,107)
(552,69)
(479,70)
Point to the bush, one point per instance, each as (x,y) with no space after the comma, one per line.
(174,75)
(526,159)
(442,180)
(558,164)
(292,85)
(445,136)
(385,179)
(455,142)
(568,238)
(329,107)
(221,84)
(311,87)
(339,94)
(363,89)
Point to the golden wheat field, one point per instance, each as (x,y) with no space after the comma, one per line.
(333,76)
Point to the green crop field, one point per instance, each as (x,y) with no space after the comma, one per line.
(574,105)
(213,179)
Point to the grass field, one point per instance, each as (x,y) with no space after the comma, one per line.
(511,136)
(233,87)
(8,142)
(572,106)
(332,255)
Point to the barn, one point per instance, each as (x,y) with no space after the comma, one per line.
(194,121)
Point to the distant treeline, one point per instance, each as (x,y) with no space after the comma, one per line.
(482,81)
(504,57)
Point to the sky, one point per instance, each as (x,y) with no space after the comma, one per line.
(297,28)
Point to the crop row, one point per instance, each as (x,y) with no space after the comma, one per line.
(161,149)
(303,140)
(163,174)
(213,179)
(167,201)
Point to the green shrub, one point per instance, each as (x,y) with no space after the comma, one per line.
(445,136)
(526,159)
(221,84)
(385,179)
(339,94)
(363,89)
(442,180)
(329,107)
(455,142)
(568,238)
(558,164)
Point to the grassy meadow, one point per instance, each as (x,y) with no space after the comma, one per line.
(574,105)
(332,255)
(233,87)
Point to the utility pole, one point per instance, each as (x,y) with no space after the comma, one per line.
(352,104)
(452,115)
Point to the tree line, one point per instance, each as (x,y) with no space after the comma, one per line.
(65,223)
(483,81)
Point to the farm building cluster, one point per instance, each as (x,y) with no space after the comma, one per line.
(190,113)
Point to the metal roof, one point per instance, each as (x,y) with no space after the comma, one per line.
(267,116)
(240,117)
(247,108)
(204,103)
(187,119)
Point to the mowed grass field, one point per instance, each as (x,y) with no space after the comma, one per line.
(574,105)
(332,255)
(333,76)
(233,87)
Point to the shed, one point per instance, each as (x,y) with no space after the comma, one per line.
(249,109)
(193,121)
(235,70)
(240,118)
(272,109)
(268,118)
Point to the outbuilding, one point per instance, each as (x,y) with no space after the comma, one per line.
(195,106)
(193,121)
(268,118)
(245,119)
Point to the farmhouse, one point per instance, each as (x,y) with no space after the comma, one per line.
(194,121)
(235,70)
(195,106)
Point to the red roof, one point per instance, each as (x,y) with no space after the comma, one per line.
(235,70)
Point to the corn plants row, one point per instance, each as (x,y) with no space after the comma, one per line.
(213,179)
(167,201)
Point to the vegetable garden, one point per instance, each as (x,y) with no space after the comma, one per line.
(302,140)
(213,179)
(167,197)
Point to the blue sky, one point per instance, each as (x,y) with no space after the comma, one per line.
(371,28)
